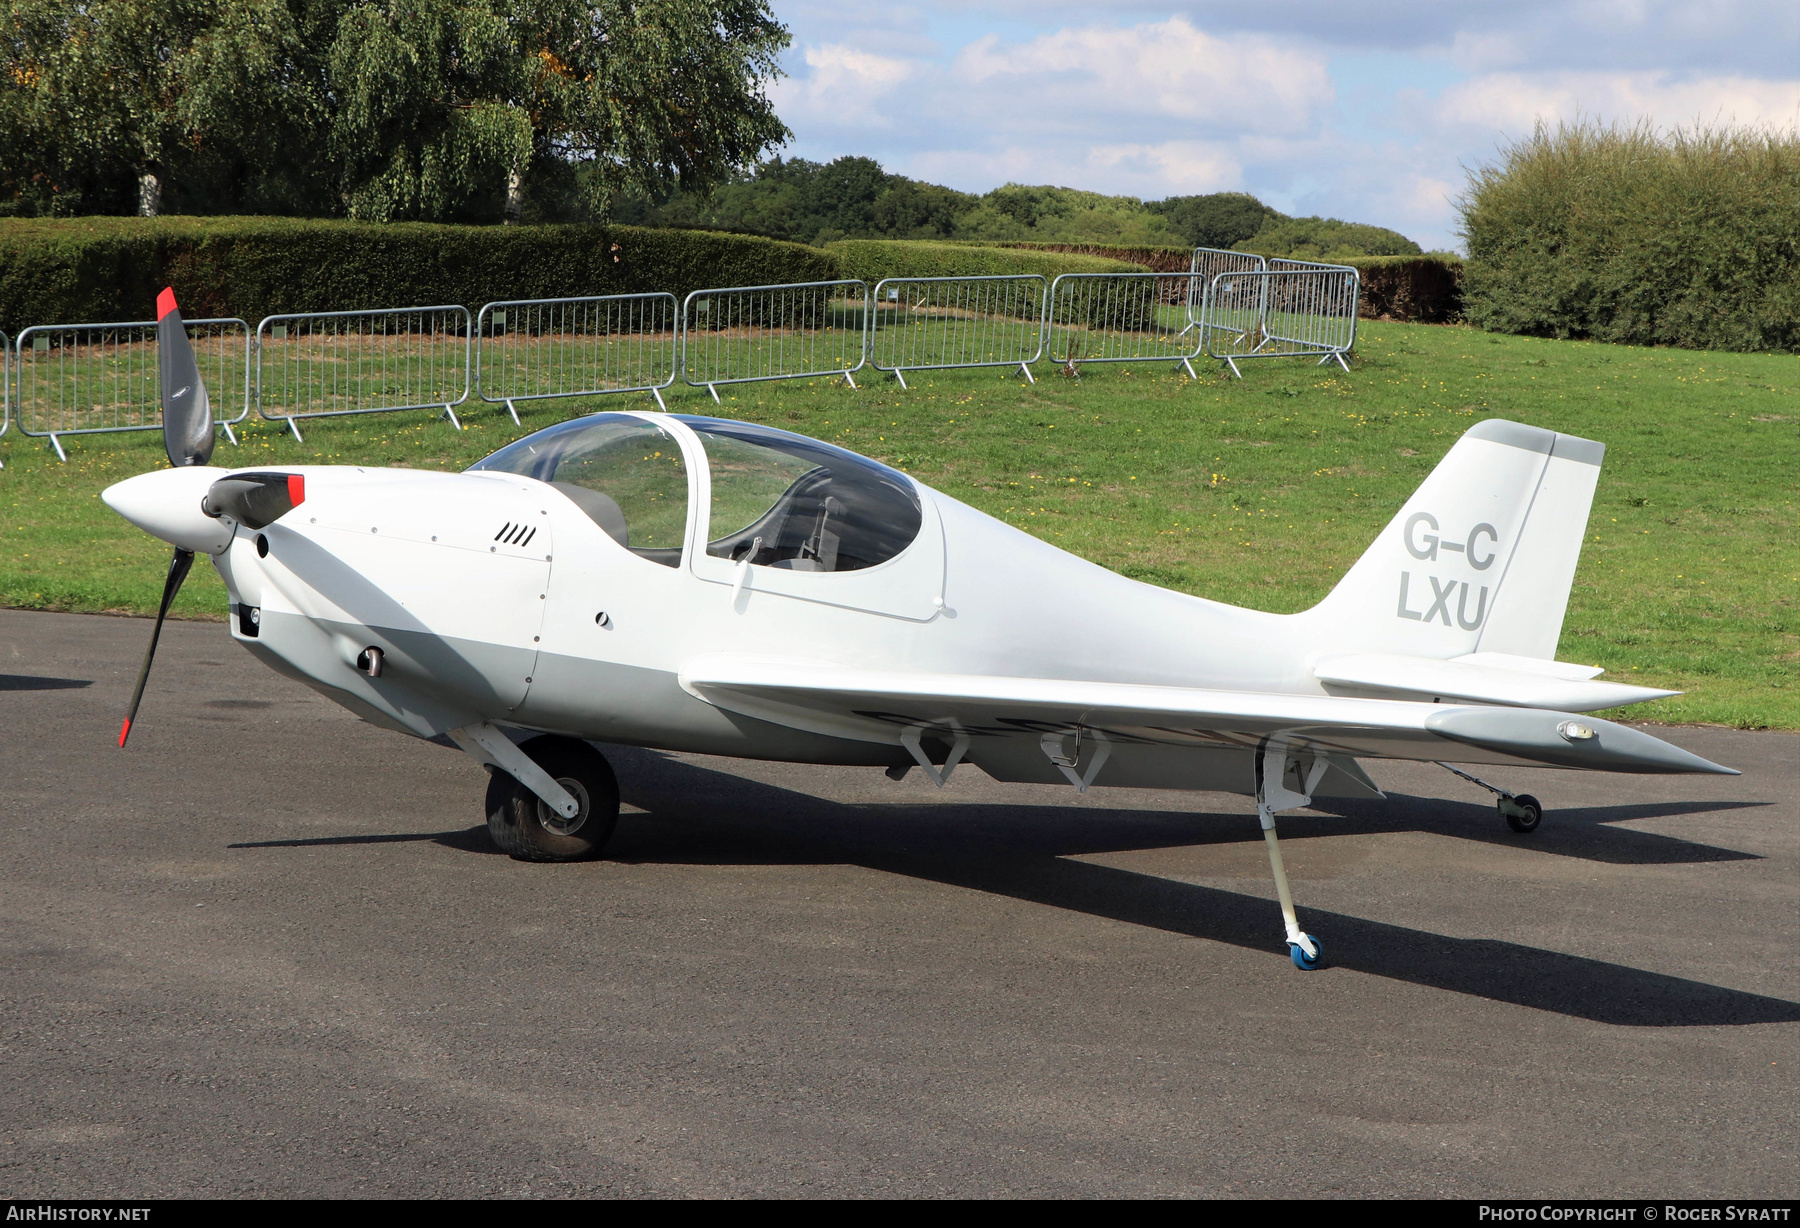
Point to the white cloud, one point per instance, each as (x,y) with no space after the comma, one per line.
(1149,171)
(1513,102)
(1162,74)
(1756,37)
(845,87)
(1154,108)
(1171,168)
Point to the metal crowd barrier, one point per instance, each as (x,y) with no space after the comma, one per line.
(1208,263)
(1283,313)
(743,334)
(1126,317)
(1286,264)
(5,385)
(930,323)
(327,364)
(533,349)
(92,379)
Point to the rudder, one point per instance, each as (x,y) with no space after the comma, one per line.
(1481,558)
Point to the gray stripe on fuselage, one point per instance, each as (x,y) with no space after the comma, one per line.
(629,704)
(429,683)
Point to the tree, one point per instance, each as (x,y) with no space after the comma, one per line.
(1219,219)
(381,109)
(98,101)
(1327,238)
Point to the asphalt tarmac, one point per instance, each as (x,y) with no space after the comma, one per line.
(268,950)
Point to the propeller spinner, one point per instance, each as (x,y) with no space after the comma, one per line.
(188,439)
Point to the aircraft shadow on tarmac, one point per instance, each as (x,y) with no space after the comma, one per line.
(697,815)
(28,682)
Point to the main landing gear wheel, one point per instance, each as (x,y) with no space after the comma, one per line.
(528,830)
(1303,961)
(1522,813)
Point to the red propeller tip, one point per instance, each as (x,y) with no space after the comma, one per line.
(124,731)
(165,302)
(296,488)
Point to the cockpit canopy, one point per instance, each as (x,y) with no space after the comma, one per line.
(625,473)
(779,500)
(785,501)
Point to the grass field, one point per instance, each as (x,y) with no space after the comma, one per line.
(1259,493)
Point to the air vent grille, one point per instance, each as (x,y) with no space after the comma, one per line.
(516,534)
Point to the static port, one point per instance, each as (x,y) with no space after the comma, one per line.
(262,545)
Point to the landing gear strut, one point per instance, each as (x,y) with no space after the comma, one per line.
(529,829)
(1274,762)
(1520,810)
(548,799)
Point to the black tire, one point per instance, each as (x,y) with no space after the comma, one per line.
(1527,822)
(527,830)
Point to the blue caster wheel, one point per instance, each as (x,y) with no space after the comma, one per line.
(1303,961)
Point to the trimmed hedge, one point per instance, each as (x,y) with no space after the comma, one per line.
(56,271)
(1410,289)
(1156,259)
(65,271)
(1628,234)
(874,259)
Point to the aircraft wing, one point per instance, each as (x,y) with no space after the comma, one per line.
(879,706)
(1511,681)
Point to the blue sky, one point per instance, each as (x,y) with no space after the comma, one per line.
(1361,111)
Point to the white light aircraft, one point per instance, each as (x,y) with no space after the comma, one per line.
(697,584)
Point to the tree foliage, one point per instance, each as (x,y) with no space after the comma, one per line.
(380,109)
(1626,233)
(1326,238)
(1218,219)
(854,198)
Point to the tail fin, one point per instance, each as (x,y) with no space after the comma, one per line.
(1482,556)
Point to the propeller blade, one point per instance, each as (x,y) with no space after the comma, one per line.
(187,412)
(178,570)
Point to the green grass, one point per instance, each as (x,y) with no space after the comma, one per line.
(1259,493)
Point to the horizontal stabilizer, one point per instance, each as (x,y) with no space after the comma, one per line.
(1480,678)
(1532,665)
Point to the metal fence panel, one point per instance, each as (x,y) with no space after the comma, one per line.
(326,364)
(1126,317)
(1283,313)
(533,349)
(742,334)
(928,323)
(90,379)
(1208,263)
(1285,264)
(6,360)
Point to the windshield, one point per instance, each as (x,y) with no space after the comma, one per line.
(786,501)
(625,473)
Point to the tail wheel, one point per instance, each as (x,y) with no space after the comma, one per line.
(1522,813)
(528,830)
